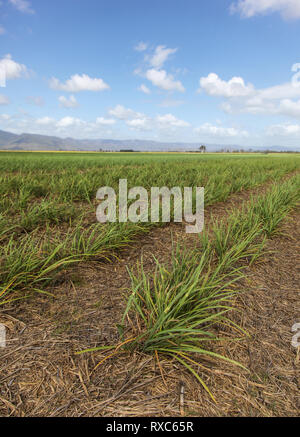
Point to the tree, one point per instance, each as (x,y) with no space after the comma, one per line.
(202,149)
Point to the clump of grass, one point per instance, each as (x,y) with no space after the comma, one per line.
(270,210)
(177,309)
(244,233)
(28,264)
(98,240)
(32,261)
(46,212)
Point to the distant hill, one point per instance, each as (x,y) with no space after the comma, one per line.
(7,138)
(34,142)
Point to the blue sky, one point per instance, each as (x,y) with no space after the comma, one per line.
(172,70)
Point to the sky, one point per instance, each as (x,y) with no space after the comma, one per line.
(217,72)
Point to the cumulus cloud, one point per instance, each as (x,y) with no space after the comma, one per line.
(163,80)
(153,72)
(22,6)
(70,102)
(285,130)
(235,87)
(166,126)
(141,46)
(4,100)
(5,117)
(139,121)
(260,105)
(287,107)
(11,68)
(144,89)
(168,120)
(284,91)
(123,113)
(105,121)
(160,56)
(219,131)
(289,9)
(79,83)
(45,121)
(161,122)
(280,99)
(69,121)
(63,127)
(142,123)
(290,108)
(70,126)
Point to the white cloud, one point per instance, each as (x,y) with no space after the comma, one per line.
(258,105)
(70,126)
(45,121)
(285,90)
(2,30)
(155,74)
(290,108)
(105,121)
(162,122)
(141,46)
(289,9)
(64,127)
(22,6)
(218,131)
(144,89)
(241,97)
(70,102)
(123,113)
(4,100)
(5,117)
(160,56)
(69,121)
(142,124)
(12,69)
(163,80)
(168,120)
(79,83)
(235,87)
(285,130)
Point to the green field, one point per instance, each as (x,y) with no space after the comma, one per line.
(47,204)
(48,227)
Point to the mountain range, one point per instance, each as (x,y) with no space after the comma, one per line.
(34,142)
